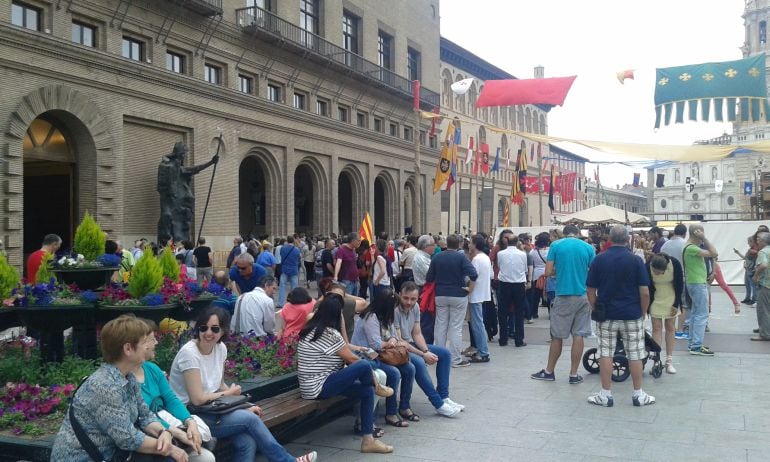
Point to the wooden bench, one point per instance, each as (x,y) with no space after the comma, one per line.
(289,406)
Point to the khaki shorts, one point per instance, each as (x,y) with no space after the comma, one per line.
(632,333)
(570,315)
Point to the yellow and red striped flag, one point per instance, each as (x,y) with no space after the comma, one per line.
(365,231)
(506,212)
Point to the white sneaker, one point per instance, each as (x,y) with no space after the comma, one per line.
(643,399)
(601,400)
(459,406)
(670,368)
(309,457)
(448,410)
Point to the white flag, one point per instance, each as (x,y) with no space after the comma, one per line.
(469,156)
(718,184)
(461,87)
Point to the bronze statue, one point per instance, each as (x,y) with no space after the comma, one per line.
(177,201)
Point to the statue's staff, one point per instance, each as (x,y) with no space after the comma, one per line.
(211,184)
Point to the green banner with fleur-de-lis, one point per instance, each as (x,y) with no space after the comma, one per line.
(742,82)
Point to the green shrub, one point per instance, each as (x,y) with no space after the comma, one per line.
(71,370)
(146,277)
(89,238)
(44,273)
(9,278)
(19,365)
(169,264)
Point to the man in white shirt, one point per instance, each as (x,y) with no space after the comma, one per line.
(481,293)
(512,290)
(255,310)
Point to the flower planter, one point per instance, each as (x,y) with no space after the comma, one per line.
(259,387)
(9,318)
(50,321)
(86,278)
(190,311)
(14,448)
(106,312)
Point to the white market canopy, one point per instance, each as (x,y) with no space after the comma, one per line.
(604,214)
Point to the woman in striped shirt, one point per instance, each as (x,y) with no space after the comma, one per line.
(321,356)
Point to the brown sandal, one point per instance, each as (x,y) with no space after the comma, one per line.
(398,422)
(411,416)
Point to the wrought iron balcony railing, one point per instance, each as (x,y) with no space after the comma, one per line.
(266,24)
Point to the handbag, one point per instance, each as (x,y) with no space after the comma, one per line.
(220,406)
(540,282)
(394,356)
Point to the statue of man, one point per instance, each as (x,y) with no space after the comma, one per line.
(177,201)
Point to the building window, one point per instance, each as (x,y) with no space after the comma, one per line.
(175,62)
(299,101)
(385,50)
(343,114)
(274,93)
(378,124)
(412,64)
(308,15)
(264,4)
(350,32)
(762,32)
(133,49)
(433,141)
(393,129)
(322,107)
(83,34)
(362,120)
(408,134)
(245,84)
(26,16)
(212,74)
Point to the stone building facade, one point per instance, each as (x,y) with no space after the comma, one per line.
(312,98)
(628,197)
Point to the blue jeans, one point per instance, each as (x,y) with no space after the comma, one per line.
(751,288)
(699,314)
(478,332)
(351,287)
(427,324)
(435,394)
(247,433)
(354,381)
(404,374)
(377,290)
(286,280)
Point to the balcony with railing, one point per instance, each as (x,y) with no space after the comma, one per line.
(270,27)
(203,7)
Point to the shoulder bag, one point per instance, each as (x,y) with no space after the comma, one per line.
(220,406)
(540,282)
(394,356)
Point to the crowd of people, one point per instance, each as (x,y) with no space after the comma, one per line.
(387,312)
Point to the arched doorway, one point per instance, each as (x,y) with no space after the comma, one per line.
(59,160)
(379,206)
(252,195)
(304,200)
(345,219)
(410,207)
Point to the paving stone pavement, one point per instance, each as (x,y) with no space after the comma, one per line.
(713,409)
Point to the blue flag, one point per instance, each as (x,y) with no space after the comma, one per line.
(748,188)
(496,165)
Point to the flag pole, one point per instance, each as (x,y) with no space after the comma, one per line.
(540,188)
(417,226)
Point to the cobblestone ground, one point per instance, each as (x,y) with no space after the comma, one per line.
(713,409)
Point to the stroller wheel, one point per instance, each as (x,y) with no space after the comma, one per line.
(620,369)
(591,360)
(657,369)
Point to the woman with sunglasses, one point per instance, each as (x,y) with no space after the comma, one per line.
(375,330)
(197,377)
(321,357)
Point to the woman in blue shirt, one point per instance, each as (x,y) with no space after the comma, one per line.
(158,396)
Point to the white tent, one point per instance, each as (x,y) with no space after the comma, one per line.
(604,214)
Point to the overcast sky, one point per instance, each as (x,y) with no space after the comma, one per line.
(594,39)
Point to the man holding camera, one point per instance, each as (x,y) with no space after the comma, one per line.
(618,291)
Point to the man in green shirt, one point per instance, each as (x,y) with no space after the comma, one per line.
(696,279)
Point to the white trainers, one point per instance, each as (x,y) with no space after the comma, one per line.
(600,400)
(459,406)
(309,457)
(448,410)
(643,399)
(670,368)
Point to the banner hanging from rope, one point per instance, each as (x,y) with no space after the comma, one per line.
(552,90)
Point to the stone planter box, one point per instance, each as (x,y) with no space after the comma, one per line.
(86,278)
(105,313)
(52,320)
(190,312)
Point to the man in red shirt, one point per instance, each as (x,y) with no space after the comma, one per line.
(51,244)
(345,270)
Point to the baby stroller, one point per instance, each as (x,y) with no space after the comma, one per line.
(620,369)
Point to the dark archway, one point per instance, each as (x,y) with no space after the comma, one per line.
(304,200)
(252,198)
(379,206)
(345,218)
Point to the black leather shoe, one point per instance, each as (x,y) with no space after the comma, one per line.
(503,343)
(522,344)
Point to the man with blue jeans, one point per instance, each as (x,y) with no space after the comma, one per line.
(482,292)
(290,261)
(407,325)
(696,277)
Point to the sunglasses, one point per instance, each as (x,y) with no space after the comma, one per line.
(214,329)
